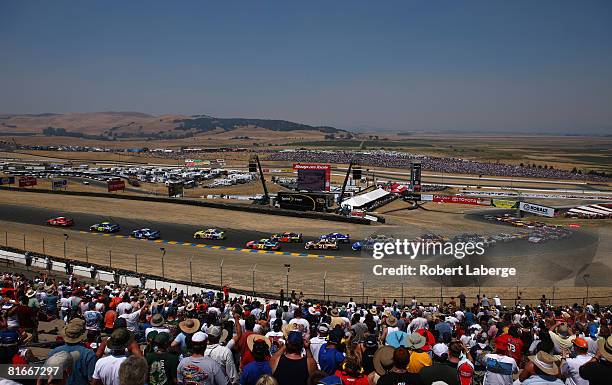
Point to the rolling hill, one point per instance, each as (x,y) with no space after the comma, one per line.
(114,125)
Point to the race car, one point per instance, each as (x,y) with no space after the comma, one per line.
(287,237)
(105,227)
(263,244)
(340,238)
(368,243)
(209,234)
(321,245)
(145,234)
(60,221)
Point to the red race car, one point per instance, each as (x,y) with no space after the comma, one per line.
(60,221)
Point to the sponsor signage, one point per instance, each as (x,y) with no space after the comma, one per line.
(115,185)
(313,176)
(537,209)
(504,203)
(415,176)
(456,199)
(27,181)
(7,180)
(303,201)
(59,184)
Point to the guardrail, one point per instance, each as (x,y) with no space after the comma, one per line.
(215,205)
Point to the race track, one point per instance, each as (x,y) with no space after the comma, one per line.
(174,232)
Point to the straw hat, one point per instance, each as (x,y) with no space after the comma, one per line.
(391,321)
(383,359)
(545,362)
(257,337)
(605,348)
(190,325)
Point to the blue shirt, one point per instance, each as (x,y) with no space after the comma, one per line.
(83,368)
(253,370)
(329,359)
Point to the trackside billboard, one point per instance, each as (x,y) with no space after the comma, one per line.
(537,209)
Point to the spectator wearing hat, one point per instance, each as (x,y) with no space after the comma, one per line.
(288,365)
(570,366)
(133,371)
(561,336)
(330,358)
(366,350)
(9,348)
(63,363)
(419,358)
(398,373)
(598,371)
(260,348)
(319,340)
(541,369)
(162,365)
(243,349)
(382,362)
(188,328)
(157,324)
(220,353)
(499,366)
(198,369)
(106,371)
(446,371)
(351,372)
(84,364)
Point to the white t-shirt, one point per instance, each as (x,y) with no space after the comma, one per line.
(304,325)
(131,319)
(123,307)
(499,369)
(315,346)
(570,369)
(107,370)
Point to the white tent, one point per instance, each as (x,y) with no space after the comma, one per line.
(362,200)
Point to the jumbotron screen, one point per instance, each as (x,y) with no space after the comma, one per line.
(311,180)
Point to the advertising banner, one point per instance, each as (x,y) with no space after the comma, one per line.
(504,203)
(456,199)
(7,180)
(537,209)
(115,185)
(59,184)
(27,181)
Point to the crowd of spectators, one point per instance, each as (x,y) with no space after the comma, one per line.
(402,160)
(120,335)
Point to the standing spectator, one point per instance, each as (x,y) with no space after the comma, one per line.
(133,371)
(598,371)
(197,369)
(570,366)
(288,365)
(330,358)
(259,347)
(84,364)
(162,364)
(398,374)
(499,366)
(106,371)
(221,354)
(541,369)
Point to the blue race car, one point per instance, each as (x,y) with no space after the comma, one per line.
(340,238)
(368,243)
(145,234)
(105,227)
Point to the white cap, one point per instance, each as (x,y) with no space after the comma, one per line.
(199,337)
(440,349)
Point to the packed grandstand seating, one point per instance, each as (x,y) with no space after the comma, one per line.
(402,160)
(132,335)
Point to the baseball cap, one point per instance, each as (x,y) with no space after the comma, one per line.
(294,337)
(62,360)
(199,337)
(581,343)
(323,328)
(439,350)
(465,370)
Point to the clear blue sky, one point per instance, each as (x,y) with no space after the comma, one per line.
(537,66)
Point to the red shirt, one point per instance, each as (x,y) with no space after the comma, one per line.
(348,380)
(245,353)
(515,346)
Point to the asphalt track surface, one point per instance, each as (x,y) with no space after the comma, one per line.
(173,232)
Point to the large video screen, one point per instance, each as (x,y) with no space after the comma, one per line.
(311,180)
